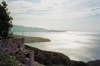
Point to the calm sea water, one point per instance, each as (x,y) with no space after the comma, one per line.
(77,45)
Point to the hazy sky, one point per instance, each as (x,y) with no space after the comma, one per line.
(56,14)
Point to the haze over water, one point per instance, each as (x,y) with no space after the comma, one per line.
(77,45)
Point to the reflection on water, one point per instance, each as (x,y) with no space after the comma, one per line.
(83,46)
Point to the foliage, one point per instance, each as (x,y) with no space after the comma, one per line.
(94,63)
(5,21)
(78,63)
(6,60)
(54,58)
(49,58)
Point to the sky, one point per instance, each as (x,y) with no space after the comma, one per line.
(56,14)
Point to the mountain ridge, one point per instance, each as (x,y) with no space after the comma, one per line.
(19,28)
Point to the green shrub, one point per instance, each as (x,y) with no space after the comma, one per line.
(6,60)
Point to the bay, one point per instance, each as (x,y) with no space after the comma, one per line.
(77,45)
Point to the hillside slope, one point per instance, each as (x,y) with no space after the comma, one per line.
(49,58)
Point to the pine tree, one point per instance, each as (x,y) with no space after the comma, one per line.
(5,21)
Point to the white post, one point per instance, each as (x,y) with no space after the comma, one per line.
(31,58)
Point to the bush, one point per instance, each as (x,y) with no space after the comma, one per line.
(6,60)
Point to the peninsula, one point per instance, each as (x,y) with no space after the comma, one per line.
(33,39)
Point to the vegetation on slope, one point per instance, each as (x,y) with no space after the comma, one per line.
(6,60)
(53,58)
(94,63)
(48,58)
(78,63)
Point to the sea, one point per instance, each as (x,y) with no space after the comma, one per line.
(77,45)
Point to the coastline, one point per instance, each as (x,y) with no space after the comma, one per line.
(50,58)
(33,39)
(43,54)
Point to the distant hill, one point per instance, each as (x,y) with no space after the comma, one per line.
(94,63)
(18,28)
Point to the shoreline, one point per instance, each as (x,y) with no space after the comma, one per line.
(33,39)
(39,39)
(60,57)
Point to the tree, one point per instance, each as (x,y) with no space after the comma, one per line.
(5,21)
